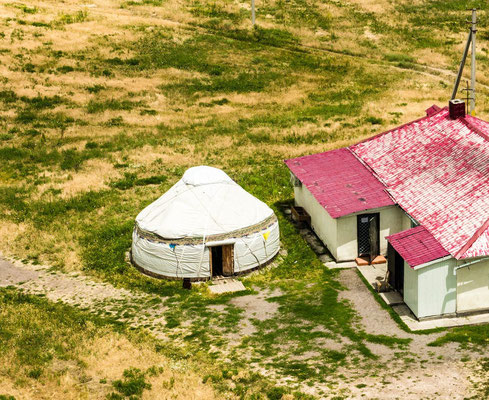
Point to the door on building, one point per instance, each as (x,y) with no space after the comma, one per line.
(222,260)
(368,235)
(395,263)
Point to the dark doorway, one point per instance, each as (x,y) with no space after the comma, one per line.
(222,260)
(368,235)
(396,269)
(216,260)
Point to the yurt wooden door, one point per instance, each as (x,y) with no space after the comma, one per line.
(222,260)
(228,259)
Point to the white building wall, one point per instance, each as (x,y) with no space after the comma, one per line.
(440,289)
(473,287)
(347,238)
(340,235)
(391,221)
(253,250)
(436,289)
(192,261)
(321,222)
(406,222)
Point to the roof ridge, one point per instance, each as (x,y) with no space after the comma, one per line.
(472,240)
(474,128)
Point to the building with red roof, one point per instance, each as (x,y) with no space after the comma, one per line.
(418,193)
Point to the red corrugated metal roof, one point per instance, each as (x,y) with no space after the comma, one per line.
(437,169)
(340,182)
(432,110)
(417,246)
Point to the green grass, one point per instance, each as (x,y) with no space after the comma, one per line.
(468,337)
(132,385)
(34,331)
(131,180)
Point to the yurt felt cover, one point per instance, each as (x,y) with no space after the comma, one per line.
(172,234)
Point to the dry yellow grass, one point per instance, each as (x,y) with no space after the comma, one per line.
(103,360)
(24,240)
(376,6)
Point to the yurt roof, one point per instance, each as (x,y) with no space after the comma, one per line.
(206,201)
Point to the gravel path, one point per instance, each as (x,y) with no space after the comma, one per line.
(425,372)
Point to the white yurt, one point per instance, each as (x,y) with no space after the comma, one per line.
(206,225)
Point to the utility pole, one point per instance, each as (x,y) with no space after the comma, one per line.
(253,13)
(472,72)
(470,41)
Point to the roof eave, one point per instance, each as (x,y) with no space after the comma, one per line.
(427,264)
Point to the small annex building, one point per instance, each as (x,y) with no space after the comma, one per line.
(419,194)
(205,225)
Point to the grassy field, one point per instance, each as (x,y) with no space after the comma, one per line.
(103,106)
(53,351)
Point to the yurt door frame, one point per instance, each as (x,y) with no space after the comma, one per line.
(221,259)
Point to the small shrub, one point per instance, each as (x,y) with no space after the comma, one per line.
(8,96)
(131,180)
(95,106)
(114,396)
(133,384)
(148,112)
(25,9)
(42,102)
(91,145)
(65,69)
(25,116)
(71,159)
(276,393)
(32,132)
(79,16)
(117,121)
(398,57)
(12,153)
(95,88)
(39,24)
(374,120)
(29,67)
(34,373)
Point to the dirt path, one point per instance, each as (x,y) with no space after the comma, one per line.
(78,290)
(424,373)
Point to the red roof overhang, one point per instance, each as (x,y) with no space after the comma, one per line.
(340,182)
(417,246)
